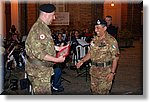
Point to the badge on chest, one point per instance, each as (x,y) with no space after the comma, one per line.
(102,43)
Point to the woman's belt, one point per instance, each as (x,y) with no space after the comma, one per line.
(104,64)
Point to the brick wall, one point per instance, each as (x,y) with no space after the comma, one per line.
(84,15)
(32,14)
(124,16)
(131,18)
(81,15)
(137,20)
(134,19)
(73,9)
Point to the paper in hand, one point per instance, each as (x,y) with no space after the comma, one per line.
(63,52)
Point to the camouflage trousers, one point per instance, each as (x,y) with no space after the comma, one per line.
(39,77)
(99,84)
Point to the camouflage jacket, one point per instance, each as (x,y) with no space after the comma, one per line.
(39,41)
(105,49)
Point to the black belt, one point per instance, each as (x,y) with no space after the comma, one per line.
(40,63)
(104,64)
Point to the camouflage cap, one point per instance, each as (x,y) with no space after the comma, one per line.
(48,8)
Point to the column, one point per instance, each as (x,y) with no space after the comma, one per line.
(14,14)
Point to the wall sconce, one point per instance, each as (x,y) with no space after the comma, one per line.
(112,4)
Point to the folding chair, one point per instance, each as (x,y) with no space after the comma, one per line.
(83,38)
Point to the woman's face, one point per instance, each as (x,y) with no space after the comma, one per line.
(59,36)
(76,33)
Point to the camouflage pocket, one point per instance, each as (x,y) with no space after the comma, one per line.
(39,71)
(99,72)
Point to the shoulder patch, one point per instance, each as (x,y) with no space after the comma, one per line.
(42,36)
(115,46)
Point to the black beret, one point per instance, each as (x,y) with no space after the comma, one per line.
(48,8)
(101,22)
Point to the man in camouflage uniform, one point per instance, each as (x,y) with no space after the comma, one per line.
(40,51)
(104,56)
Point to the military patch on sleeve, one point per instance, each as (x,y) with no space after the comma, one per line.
(115,46)
(42,36)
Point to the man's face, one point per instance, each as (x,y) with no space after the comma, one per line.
(99,29)
(108,20)
(51,17)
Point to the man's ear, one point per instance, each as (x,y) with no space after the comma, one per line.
(45,15)
(105,28)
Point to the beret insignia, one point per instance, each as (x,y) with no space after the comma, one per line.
(98,22)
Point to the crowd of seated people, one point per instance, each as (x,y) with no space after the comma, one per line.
(71,38)
(60,39)
(87,35)
(13,44)
(13,57)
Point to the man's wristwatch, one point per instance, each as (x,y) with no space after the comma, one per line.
(113,73)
